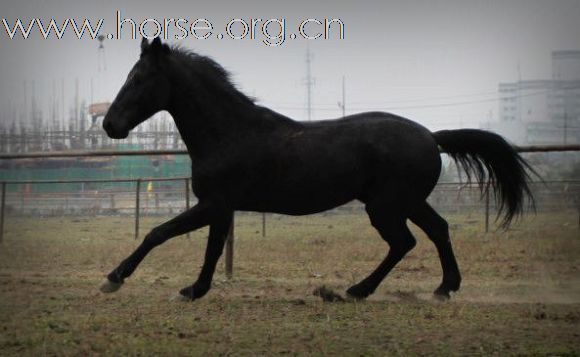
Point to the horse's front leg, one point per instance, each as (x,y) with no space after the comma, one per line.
(196,217)
(218,232)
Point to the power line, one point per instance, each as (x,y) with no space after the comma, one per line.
(437,105)
(426,99)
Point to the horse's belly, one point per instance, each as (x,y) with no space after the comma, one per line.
(299,200)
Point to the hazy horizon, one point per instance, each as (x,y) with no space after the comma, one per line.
(436,62)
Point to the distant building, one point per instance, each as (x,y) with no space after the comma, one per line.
(543,111)
(566,65)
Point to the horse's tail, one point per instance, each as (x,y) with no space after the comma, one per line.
(478,152)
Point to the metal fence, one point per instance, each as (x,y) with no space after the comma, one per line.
(94,153)
(94,201)
(144,198)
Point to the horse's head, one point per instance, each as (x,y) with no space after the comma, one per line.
(145,92)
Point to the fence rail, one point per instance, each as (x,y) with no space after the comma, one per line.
(89,153)
(139,181)
(94,153)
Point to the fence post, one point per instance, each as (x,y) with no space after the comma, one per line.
(137,203)
(230,251)
(487,210)
(263,224)
(112,198)
(2,211)
(187,199)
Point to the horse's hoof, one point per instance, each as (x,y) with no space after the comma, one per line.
(108,286)
(356,293)
(179,298)
(441,294)
(351,298)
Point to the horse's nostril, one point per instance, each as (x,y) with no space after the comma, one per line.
(107,126)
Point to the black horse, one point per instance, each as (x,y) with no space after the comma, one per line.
(249,158)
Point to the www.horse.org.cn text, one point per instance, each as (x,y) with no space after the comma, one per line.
(272,32)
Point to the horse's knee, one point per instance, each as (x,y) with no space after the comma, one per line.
(404,245)
(154,238)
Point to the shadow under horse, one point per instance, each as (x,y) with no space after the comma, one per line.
(246,157)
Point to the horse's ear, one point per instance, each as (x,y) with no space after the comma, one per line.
(144,45)
(157,47)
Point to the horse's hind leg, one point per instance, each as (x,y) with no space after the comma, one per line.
(389,220)
(437,230)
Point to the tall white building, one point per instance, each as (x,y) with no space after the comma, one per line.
(545,111)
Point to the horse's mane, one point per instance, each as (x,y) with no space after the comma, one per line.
(211,71)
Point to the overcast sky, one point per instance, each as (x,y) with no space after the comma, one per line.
(435,61)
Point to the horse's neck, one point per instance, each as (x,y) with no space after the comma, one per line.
(207,115)
(204,124)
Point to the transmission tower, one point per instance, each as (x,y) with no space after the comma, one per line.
(101,60)
(309,82)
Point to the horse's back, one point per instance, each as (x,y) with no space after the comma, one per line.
(385,141)
(315,166)
(391,149)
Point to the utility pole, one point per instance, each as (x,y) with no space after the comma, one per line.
(54,106)
(309,83)
(565,125)
(101,60)
(342,104)
(25,111)
(519,93)
(77,106)
(63,107)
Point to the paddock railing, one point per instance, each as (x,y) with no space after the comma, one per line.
(96,153)
(142,200)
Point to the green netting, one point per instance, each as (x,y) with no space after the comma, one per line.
(113,168)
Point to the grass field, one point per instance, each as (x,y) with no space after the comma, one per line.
(520,293)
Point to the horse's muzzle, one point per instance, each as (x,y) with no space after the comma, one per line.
(112,132)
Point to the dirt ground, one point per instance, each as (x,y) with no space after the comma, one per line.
(520,292)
